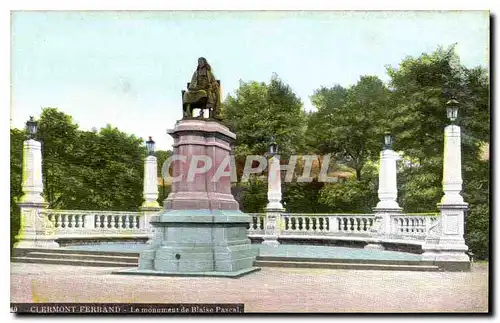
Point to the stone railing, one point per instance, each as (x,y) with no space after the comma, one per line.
(324,224)
(103,224)
(402,226)
(94,223)
(412,224)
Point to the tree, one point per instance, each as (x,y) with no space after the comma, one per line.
(350,123)
(258,111)
(89,169)
(17,137)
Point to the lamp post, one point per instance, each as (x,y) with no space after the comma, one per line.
(445,242)
(274,207)
(387,192)
(35,231)
(32,166)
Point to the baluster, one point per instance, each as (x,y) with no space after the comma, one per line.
(127,222)
(63,221)
(287,223)
(73,221)
(79,218)
(98,221)
(137,218)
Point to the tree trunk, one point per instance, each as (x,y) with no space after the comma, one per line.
(358,174)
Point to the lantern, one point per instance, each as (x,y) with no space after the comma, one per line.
(31,125)
(452,109)
(150,145)
(273,147)
(388,140)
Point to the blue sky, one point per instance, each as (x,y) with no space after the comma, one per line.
(128,68)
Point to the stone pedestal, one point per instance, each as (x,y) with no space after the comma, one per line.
(201,232)
(445,244)
(36,230)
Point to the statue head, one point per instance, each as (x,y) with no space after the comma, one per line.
(202,62)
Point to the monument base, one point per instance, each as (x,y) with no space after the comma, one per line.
(228,274)
(198,243)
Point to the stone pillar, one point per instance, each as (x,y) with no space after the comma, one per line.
(32,184)
(150,183)
(387,187)
(445,244)
(35,231)
(150,207)
(274,207)
(387,194)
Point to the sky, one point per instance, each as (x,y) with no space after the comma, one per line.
(127,68)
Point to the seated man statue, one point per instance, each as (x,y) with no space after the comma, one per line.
(203,92)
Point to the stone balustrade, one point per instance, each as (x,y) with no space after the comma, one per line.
(403,226)
(412,224)
(326,224)
(95,224)
(86,222)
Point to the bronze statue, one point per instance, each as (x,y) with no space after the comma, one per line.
(203,92)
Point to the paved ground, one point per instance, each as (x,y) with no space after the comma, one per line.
(270,290)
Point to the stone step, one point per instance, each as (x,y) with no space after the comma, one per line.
(338,265)
(347,260)
(77,256)
(73,262)
(25,252)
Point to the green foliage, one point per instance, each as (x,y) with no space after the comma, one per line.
(16,161)
(88,169)
(252,195)
(258,111)
(350,123)
(420,188)
(304,198)
(352,195)
(476,193)
(164,187)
